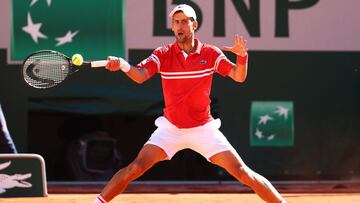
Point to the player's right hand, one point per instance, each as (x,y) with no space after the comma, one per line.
(114,63)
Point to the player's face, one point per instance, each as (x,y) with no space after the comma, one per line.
(183,27)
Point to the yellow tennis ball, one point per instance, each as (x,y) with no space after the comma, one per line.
(77,59)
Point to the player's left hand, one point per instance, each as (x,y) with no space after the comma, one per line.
(239,47)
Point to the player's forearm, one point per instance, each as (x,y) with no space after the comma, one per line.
(139,75)
(239,71)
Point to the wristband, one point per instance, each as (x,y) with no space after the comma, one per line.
(125,66)
(242,59)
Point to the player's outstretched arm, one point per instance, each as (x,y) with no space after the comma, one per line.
(239,72)
(138,75)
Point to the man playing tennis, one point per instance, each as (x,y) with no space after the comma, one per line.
(186,68)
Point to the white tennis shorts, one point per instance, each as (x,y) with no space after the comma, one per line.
(207,139)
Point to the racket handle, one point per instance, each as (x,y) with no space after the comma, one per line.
(95,64)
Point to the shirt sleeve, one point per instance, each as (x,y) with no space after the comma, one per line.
(222,65)
(151,63)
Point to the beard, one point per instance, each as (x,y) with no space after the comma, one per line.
(181,37)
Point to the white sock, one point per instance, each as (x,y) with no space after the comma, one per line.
(100,199)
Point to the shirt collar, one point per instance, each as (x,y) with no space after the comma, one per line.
(198,46)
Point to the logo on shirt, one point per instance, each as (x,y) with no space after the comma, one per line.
(202,62)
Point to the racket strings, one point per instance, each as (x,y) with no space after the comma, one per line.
(45,69)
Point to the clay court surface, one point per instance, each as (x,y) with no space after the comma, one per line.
(294,192)
(189,198)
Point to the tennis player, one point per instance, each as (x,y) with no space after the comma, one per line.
(187,67)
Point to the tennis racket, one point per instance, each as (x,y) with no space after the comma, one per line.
(46,68)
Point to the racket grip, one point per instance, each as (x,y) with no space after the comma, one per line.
(95,64)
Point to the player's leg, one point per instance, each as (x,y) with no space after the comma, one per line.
(232,163)
(147,157)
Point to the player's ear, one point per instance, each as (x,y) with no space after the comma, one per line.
(195,25)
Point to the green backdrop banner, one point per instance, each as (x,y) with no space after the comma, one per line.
(95,30)
(272,123)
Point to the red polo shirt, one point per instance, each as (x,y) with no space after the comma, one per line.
(187,82)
